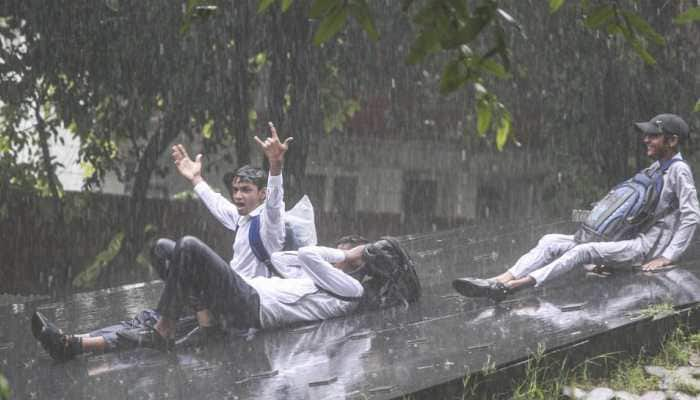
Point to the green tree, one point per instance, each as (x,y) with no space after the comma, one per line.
(472,37)
(126,81)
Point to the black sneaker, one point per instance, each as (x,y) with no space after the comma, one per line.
(472,287)
(146,337)
(201,336)
(61,347)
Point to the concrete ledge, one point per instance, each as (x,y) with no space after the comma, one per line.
(425,350)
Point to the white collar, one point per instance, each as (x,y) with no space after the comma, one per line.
(245,218)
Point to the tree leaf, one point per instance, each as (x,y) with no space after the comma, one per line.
(697,107)
(72,127)
(644,28)
(207,129)
(4,388)
(483,116)
(555,5)
(185,27)
(503,131)
(599,16)
(428,41)
(643,53)
(322,7)
(263,5)
(360,10)
(460,8)
(494,68)
(691,15)
(191,4)
(286,4)
(452,76)
(331,25)
(471,29)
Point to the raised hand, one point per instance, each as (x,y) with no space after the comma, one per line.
(274,149)
(192,170)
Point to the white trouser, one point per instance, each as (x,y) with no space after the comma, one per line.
(557,254)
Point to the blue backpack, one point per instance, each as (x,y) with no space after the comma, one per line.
(628,209)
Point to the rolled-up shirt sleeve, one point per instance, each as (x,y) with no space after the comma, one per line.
(316,261)
(684,188)
(222,209)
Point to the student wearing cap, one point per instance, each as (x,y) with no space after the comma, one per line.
(661,244)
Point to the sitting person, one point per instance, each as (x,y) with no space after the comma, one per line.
(659,243)
(335,282)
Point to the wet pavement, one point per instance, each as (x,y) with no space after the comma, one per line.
(375,355)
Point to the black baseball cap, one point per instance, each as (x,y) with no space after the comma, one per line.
(669,124)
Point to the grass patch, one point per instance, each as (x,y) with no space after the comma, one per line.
(629,374)
(656,310)
(545,380)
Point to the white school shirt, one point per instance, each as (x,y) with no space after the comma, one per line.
(284,301)
(670,236)
(271,214)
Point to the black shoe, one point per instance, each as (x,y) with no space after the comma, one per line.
(471,287)
(61,347)
(201,336)
(147,337)
(38,322)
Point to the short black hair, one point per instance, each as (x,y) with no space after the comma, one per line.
(353,240)
(246,173)
(681,139)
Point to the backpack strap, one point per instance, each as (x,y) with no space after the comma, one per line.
(667,164)
(256,245)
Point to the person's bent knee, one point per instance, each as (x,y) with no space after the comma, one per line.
(584,248)
(185,249)
(548,238)
(161,254)
(189,243)
(162,249)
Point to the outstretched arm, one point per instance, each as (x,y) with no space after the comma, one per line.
(272,229)
(188,168)
(219,207)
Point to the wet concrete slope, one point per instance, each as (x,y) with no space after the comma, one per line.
(377,355)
